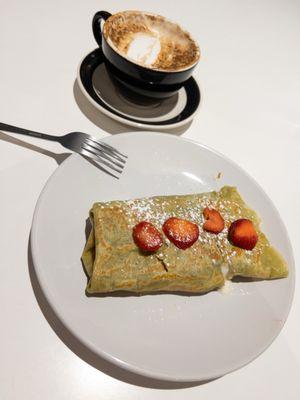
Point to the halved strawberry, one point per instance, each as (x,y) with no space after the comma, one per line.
(146,236)
(214,221)
(243,234)
(181,232)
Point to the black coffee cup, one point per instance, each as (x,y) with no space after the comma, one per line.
(140,79)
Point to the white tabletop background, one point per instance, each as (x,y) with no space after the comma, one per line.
(250,82)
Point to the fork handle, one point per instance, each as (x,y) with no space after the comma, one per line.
(22,131)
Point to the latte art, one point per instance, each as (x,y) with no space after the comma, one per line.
(151,41)
(144,48)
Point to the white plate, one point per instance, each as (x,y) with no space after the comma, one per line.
(166,336)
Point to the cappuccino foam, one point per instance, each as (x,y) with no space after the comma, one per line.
(144,48)
(151,41)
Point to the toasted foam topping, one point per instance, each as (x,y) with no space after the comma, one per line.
(151,40)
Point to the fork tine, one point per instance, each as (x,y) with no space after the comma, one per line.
(97,164)
(105,155)
(112,149)
(96,161)
(108,148)
(90,152)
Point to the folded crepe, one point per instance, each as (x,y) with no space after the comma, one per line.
(113,262)
(264,261)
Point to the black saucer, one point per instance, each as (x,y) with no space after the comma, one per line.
(129,108)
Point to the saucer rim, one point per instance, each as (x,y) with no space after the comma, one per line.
(124,120)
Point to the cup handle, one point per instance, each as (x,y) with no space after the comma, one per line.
(97,29)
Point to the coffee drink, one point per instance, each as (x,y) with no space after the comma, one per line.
(145,53)
(151,41)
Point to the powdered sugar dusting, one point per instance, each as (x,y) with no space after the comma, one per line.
(157,210)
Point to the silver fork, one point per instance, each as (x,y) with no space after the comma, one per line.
(83,144)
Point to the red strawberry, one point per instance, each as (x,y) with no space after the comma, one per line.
(214,221)
(181,232)
(243,234)
(147,237)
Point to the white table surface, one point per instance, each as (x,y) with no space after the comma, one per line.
(250,82)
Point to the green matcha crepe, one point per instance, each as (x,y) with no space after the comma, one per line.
(113,262)
(263,261)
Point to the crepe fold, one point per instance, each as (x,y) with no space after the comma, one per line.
(113,262)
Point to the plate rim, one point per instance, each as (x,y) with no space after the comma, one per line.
(127,122)
(115,360)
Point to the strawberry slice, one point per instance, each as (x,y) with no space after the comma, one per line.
(147,237)
(181,232)
(243,234)
(214,221)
